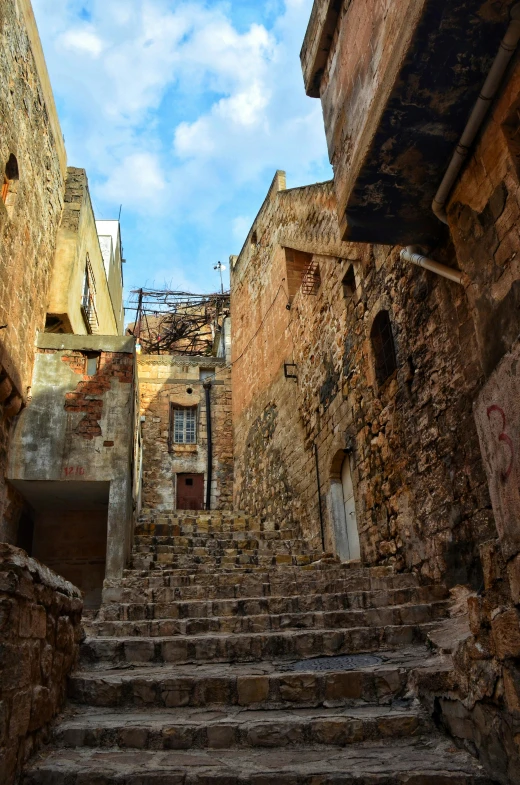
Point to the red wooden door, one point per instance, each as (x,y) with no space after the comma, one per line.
(190,491)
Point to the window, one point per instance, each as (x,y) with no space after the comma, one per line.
(311,280)
(183,425)
(92,363)
(349,283)
(10,179)
(88,299)
(383,345)
(296,263)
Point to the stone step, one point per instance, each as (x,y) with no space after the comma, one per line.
(163,606)
(422,760)
(204,524)
(175,530)
(376,617)
(234,727)
(208,562)
(303,576)
(379,680)
(201,545)
(250,647)
(185,585)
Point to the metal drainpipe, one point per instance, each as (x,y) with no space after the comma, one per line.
(480,110)
(319,495)
(207,389)
(415,255)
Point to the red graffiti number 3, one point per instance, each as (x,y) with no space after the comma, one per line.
(503,437)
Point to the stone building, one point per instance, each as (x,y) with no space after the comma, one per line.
(400,86)
(390,388)
(186,428)
(71,458)
(313,402)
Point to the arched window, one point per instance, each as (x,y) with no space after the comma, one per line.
(10,177)
(383,345)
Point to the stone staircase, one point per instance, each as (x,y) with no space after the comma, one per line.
(231,654)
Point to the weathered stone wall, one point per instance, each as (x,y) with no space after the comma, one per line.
(164,380)
(483,216)
(40,623)
(29,130)
(421,493)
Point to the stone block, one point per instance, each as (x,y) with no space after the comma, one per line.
(252,689)
(177,692)
(20,714)
(506,634)
(136,738)
(344,686)
(513,573)
(139,650)
(511,677)
(221,736)
(298,688)
(336,731)
(42,707)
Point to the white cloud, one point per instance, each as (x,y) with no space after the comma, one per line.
(83,40)
(137,181)
(179,113)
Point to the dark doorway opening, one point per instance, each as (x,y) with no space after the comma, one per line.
(25,534)
(190,491)
(68,531)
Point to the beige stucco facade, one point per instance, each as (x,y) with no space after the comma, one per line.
(79,254)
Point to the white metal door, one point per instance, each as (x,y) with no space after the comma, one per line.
(350,510)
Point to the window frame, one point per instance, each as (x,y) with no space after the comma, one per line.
(191,421)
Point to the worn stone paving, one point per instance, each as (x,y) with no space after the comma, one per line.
(204,702)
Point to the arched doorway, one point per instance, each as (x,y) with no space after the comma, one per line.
(342,508)
(349,505)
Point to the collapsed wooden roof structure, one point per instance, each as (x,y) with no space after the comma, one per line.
(170,322)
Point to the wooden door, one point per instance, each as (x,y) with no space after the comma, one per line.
(350,511)
(190,491)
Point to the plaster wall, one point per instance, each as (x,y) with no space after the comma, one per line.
(110,241)
(80,428)
(78,241)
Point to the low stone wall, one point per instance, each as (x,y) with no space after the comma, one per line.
(40,630)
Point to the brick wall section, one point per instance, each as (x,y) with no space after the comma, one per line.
(421,493)
(28,226)
(40,620)
(112,365)
(163,381)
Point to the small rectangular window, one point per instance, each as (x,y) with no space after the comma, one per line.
(183,425)
(92,365)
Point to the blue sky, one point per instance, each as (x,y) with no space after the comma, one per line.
(181,111)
